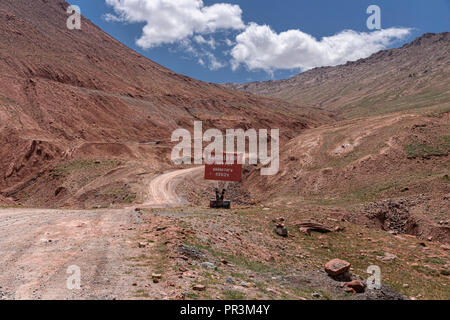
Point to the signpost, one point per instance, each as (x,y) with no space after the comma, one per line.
(224,170)
(227,167)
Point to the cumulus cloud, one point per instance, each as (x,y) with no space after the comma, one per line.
(202,41)
(194,26)
(169,21)
(259,47)
(204,57)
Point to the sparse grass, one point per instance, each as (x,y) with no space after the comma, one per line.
(192,296)
(130,198)
(423,150)
(63,170)
(445,144)
(7,100)
(426,271)
(233,295)
(141,293)
(391,102)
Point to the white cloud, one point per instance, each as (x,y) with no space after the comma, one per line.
(169,21)
(191,24)
(201,40)
(214,64)
(259,47)
(204,57)
(228,42)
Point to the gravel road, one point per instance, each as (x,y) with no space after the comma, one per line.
(38,245)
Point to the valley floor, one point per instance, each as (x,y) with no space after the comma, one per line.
(159,251)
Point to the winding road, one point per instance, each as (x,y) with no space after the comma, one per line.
(37,246)
(162,189)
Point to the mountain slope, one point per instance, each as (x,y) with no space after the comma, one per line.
(386,161)
(74,94)
(413,76)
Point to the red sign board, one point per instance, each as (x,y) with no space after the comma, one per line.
(223,170)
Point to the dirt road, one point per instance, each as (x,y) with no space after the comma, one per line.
(38,245)
(162,188)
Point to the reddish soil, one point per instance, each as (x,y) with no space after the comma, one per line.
(85,123)
(68,95)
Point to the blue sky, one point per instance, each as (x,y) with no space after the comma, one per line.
(260,53)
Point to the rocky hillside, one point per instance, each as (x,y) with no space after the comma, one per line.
(386,159)
(413,76)
(70,94)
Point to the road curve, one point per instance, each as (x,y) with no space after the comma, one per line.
(162,189)
(38,245)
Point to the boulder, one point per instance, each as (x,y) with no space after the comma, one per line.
(307,227)
(281,230)
(199,287)
(337,267)
(156,277)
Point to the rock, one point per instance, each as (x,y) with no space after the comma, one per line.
(307,227)
(337,267)
(281,230)
(316,295)
(230,280)
(244,284)
(423,244)
(142,245)
(344,277)
(199,287)
(156,277)
(339,229)
(387,257)
(405,285)
(305,231)
(445,247)
(138,209)
(208,265)
(356,285)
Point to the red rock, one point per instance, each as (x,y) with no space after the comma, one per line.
(356,285)
(336,267)
(199,287)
